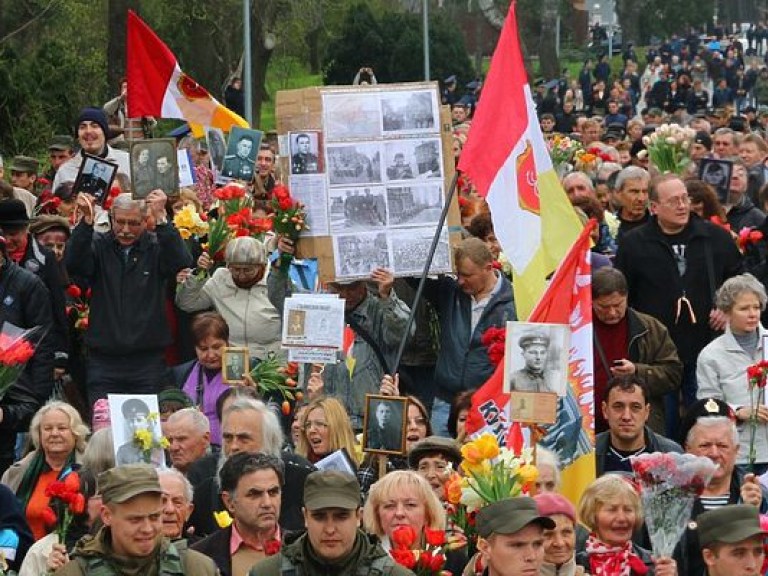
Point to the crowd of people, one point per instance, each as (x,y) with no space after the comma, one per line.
(129,306)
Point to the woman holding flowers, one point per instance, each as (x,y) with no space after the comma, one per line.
(610,508)
(325,428)
(730,369)
(59,436)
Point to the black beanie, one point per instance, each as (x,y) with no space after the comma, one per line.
(94,114)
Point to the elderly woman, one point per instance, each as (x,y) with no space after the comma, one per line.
(549,470)
(58,435)
(404,498)
(435,458)
(239,293)
(611,509)
(324,429)
(721,369)
(560,542)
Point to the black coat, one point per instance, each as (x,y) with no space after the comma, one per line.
(216,547)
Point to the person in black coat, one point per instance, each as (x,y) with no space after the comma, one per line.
(15,535)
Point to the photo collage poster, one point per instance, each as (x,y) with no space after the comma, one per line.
(382,180)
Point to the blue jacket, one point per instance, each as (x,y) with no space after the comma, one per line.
(463,363)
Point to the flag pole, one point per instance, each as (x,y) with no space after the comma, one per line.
(425,272)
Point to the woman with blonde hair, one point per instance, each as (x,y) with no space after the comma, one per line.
(324,429)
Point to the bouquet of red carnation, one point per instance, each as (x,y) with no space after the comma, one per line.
(290,218)
(494,339)
(114,192)
(47,203)
(66,502)
(747,237)
(427,562)
(17,346)
(232,200)
(244,223)
(80,308)
(757,374)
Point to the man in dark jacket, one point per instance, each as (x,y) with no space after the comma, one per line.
(741,212)
(477,299)
(128,269)
(673,265)
(626,409)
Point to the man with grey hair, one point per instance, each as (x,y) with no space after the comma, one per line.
(247,425)
(632,192)
(177,501)
(128,269)
(189,437)
(577,184)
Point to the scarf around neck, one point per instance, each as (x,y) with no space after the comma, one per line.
(606,560)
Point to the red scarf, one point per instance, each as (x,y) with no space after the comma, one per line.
(605,560)
(18,254)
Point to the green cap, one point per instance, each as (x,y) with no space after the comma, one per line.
(61,142)
(121,483)
(510,516)
(331,489)
(25,164)
(447,447)
(729,524)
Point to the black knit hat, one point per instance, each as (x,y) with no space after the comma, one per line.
(93,114)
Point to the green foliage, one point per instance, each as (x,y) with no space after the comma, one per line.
(663,18)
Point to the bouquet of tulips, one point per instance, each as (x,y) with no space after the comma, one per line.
(290,218)
(66,502)
(271,377)
(147,440)
(17,346)
(426,562)
(189,223)
(669,148)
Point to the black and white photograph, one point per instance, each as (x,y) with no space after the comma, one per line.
(236,364)
(411,112)
(354,164)
(95,177)
(240,158)
(536,357)
(413,158)
(340,461)
(385,424)
(717,173)
(352,114)
(154,166)
(217,148)
(414,204)
(305,153)
(357,209)
(355,255)
(410,248)
(136,426)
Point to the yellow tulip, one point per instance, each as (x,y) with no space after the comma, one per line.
(528,473)
(471,453)
(223,519)
(488,446)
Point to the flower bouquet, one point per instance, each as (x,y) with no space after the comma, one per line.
(80,309)
(271,377)
(66,502)
(426,562)
(189,223)
(562,150)
(290,218)
(669,148)
(494,339)
(669,483)
(756,380)
(147,441)
(17,346)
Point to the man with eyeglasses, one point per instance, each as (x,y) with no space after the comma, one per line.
(673,265)
(128,269)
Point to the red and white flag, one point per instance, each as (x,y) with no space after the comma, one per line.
(157,86)
(507,160)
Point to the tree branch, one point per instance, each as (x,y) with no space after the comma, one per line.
(28,23)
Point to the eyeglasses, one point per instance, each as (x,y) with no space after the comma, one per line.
(675,201)
(315,424)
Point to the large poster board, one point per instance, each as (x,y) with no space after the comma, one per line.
(384,165)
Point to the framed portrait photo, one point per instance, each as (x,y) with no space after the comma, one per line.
(305,152)
(95,177)
(385,422)
(133,416)
(536,357)
(154,165)
(717,173)
(235,362)
(239,160)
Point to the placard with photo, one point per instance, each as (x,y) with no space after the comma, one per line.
(409,112)
(359,209)
(154,166)
(413,158)
(95,177)
(536,357)
(385,423)
(217,148)
(136,432)
(356,255)
(352,115)
(350,164)
(242,147)
(306,156)
(717,173)
(235,363)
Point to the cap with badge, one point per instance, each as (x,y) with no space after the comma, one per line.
(729,524)
(533,339)
(704,408)
(25,164)
(121,483)
(704,139)
(331,489)
(510,516)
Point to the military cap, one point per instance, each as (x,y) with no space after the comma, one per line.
(134,406)
(25,164)
(510,516)
(121,483)
(704,408)
(434,445)
(61,143)
(729,524)
(174,395)
(533,339)
(450,80)
(331,489)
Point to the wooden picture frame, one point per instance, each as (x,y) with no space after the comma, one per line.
(385,433)
(230,359)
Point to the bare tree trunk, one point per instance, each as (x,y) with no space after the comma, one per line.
(263,23)
(117,22)
(548,60)
(491,13)
(628,12)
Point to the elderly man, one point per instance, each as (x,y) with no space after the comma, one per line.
(177,502)
(725,143)
(673,264)
(92,133)
(731,540)
(626,410)
(512,536)
(128,269)
(333,541)
(189,437)
(740,210)
(247,426)
(251,487)
(709,430)
(632,193)
(131,540)
(630,343)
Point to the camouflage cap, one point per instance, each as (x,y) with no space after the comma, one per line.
(25,164)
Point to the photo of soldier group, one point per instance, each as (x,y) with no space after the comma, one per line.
(414,204)
(354,164)
(410,248)
(357,209)
(356,255)
(409,159)
(411,112)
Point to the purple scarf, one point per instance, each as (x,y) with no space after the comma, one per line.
(212,389)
